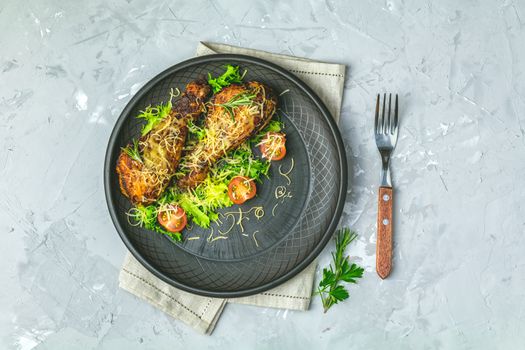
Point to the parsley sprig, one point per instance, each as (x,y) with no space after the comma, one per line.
(330,289)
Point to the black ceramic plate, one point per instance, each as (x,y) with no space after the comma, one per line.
(300,213)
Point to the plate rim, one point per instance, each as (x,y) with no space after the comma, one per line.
(339,145)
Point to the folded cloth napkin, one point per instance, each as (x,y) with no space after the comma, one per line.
(202,313)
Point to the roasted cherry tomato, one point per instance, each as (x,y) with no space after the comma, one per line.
(241,189)
(273,146)
(173,218)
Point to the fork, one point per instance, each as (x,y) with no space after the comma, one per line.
(385,128)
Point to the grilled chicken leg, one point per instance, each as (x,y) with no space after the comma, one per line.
(143,178)
(234,114)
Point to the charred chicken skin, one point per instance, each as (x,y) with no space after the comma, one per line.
(233,115)
(144,177)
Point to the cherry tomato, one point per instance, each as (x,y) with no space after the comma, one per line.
(241,189)
(173,218)
(273,146)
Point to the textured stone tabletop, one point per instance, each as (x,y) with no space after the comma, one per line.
(67,68)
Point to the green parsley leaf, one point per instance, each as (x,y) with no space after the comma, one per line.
(351,273)
(339,293)
(328,277)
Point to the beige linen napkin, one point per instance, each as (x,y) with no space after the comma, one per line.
(202,313)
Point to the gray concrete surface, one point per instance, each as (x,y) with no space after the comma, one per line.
(68,68)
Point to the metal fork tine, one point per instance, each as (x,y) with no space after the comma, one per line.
(377,115)
(389,125)
(383,120)
(395,117)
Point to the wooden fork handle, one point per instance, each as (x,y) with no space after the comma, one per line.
(384,232)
